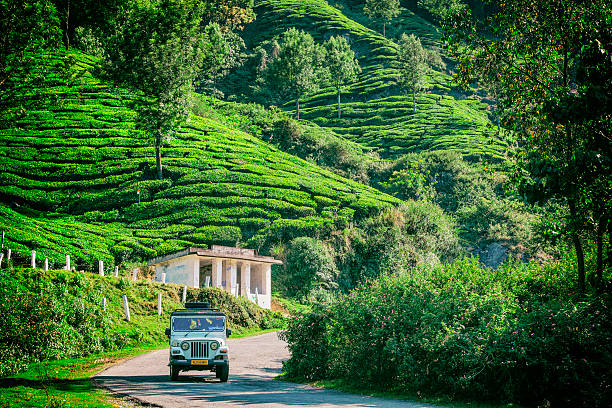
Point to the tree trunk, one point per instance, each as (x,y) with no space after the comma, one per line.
(297,104)
(414,101)
(338,103)
(384,29)
(579,251)
(67,25)
(601,227)
(158,162)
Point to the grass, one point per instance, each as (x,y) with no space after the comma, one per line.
(67,383)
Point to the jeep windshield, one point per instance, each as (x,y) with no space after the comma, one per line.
(199,323)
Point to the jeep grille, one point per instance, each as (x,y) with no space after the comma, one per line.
(199,349)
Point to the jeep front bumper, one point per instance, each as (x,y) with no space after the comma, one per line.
(198,364)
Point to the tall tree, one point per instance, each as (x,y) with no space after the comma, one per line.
(412,64)
(385,10)
(341,62)
(222,52)
(28,30)
(295,67)
(552,63)
(158,50)
(229,14)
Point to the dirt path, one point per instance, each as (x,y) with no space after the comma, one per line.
(254,362)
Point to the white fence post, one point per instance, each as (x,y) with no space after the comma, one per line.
(33,259)
(67,267)
(135,274)
(103,303)
(8,254)
(101,268)
(159,305)
(1,258)
(126,308)
(116,271)
(163,277)
(184,293)
(46,264)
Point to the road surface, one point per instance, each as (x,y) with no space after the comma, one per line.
(254,362)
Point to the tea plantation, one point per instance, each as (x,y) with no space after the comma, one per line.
(78,178)
(375,111)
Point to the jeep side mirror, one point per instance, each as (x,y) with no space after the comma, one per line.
(228,332)
(168,332)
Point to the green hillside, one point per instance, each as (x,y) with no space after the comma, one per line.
(376,114)
(72,166)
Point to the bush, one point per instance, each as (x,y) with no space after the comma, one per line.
(310,265)
(515,334)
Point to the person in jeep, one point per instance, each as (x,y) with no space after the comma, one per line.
(198,337)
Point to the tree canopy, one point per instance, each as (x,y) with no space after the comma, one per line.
(158,50)
(294,68)
(385,10)
(341,63)
(412,64)
(28,28)
(551,63)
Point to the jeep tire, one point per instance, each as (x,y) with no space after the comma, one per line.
(174,372)
(222,373)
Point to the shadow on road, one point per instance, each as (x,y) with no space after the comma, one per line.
(242,390)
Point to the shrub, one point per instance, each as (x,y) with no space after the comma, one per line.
(514,334)
(310,265)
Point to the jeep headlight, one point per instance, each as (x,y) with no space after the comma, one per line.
(185,346)
(175,343)
(214,345)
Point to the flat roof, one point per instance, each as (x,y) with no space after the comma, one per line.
(217,251)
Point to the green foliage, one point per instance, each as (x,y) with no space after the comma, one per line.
(549,71)
(221,52)
(294,68)
(308,345)
(79,161)
(375,112)
(157,49)
(59,314)
(310,266)
(395,239)
(515,334)
(27,28)
(341,63)
(412,63)
(385,10)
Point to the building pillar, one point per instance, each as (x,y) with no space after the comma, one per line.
(265,299)
(217,273)
(245,279)
(267,279)
(230,276)
(196,271)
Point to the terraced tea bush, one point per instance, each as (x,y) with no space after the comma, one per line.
(79,160)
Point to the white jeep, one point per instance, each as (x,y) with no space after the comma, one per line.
(198,337)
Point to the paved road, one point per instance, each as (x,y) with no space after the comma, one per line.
(254,362)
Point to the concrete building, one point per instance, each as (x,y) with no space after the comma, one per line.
(239,271)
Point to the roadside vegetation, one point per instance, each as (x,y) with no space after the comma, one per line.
(60,314)
(515,334)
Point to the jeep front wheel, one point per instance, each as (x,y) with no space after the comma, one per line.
(223,373)
(174,372)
